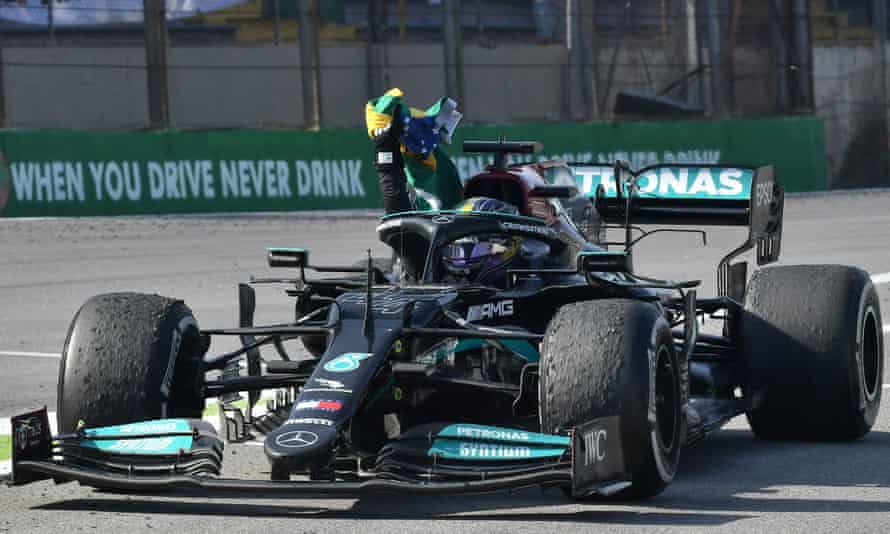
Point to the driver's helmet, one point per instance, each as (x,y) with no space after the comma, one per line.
(482,259)
(486,204)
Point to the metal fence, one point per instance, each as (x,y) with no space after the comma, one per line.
(130,64)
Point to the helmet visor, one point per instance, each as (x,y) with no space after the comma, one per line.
(467,253)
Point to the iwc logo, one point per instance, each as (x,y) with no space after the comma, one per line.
(5,182)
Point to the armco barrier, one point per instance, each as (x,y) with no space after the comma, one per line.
(67,173)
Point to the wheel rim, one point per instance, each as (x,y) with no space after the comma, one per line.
(666,413)
(870,354)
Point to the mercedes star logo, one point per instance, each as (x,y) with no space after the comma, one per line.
(443,219)
(296,439)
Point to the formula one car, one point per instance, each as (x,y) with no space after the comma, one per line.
(502,349)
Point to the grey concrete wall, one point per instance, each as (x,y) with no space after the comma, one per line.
(245,86)
(514,83)
(83,87)
(235,86)
(849,98)
(105,88)
(640,69)
(343,85)
(419,70)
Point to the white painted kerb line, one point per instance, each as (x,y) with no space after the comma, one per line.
(24,354)
(880,278)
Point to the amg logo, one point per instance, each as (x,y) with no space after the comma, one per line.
(488,310)
(595,446)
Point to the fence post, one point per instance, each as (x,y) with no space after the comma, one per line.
(574,106)
(2,92)
(717,57)
(50,21)
(879,26)
(277,23)
(780,54)
(374,58)
(453,55)
(581,87)
(684,49)
(309,63)
(803,55)
(155,28)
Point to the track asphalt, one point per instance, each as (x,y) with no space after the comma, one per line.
(731,482)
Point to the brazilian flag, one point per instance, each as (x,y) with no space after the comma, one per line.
(430,171)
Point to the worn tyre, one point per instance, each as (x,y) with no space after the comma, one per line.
(811,341)
(130,357)
(617,357)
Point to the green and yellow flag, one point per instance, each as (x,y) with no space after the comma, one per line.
(428,167)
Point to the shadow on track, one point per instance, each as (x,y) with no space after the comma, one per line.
(729,476)
(406,508)
(732,471)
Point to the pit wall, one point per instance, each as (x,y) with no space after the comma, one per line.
(76,173)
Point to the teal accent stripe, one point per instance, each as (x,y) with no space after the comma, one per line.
(164,445)
(168,445)
(286,249)
(160,426)
(523,348)
(520,347)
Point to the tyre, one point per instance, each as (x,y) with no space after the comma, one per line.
(811,342)
(130,357)
(316,345)
(617,357)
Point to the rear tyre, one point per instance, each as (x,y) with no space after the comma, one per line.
(811,339)
(616,357)
(130,357)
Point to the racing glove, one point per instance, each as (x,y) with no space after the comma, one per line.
(390,165)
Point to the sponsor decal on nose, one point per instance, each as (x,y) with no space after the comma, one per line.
(345,363)
(326,405)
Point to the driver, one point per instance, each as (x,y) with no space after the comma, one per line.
(482,259)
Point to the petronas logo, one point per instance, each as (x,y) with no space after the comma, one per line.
(5,183)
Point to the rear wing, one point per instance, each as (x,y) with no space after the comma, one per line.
(701,195)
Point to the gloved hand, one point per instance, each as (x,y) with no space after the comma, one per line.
(387,152)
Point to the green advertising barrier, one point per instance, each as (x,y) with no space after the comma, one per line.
(68,173)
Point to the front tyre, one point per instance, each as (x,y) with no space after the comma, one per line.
(130,357)
(616,357)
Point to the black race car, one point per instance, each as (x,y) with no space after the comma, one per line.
(502,348)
